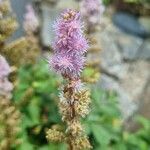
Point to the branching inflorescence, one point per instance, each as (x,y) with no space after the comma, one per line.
(31,22)
(5,86)
(9,116)
(92,11)
(31,26)
(70,47)
(21,51)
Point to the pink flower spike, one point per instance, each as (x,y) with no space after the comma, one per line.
(31,22)
(92,10)
(70,66)
(5,86)
(69,34)
(4,67)
(69,45)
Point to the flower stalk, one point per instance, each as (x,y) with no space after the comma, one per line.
(9,116)
(68,59)
(92,11)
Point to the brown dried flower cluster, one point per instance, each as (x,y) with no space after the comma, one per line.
(93,61)
(21,51)
(9,116)
(9,124)
(7,24)
(74,105)
(55,135)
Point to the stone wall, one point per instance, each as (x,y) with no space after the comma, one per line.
(125,67)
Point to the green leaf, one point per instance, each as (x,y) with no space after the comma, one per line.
(144,122)
(101,134)
(26,146)
(120,146)
(34,111)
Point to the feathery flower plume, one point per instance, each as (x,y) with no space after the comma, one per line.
(5,86)
(4,67)
(31,25)
(68,59)
(31,22)
(92,11)
(69,45)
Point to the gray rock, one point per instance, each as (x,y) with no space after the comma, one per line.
(126,104)
(130,24)
(145,21)
(144,50)
(135,79)
(130,88)
(129,46)
(111,58)
(49,15)
(19,10)
(145,101)
(107,83)
(132,74)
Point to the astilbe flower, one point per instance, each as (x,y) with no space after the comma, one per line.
(31,22)
(69,45)
(4,67)
(5,86)
(9,116)
(92,11)
(71,66)
(31,25)
(68,59)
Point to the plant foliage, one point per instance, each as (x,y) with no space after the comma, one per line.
(36,97)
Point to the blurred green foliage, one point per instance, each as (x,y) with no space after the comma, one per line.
(105,126)
(106,2)
(36,96)
(137,1)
